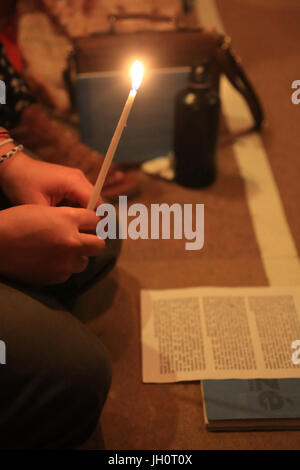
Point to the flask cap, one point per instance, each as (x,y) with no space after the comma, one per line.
(200,76)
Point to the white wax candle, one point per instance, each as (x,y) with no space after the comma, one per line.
(111,150)
(137,75)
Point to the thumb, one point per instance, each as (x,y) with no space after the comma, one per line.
(79,195)
(81,198)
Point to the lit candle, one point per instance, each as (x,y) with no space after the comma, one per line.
(137,71)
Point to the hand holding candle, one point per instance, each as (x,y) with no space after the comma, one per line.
(137,71)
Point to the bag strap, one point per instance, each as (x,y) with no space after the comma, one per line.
(230,64)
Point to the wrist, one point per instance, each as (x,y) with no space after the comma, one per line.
(8,166)
(5,163)
(8,149)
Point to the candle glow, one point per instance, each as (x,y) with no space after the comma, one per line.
(137,72)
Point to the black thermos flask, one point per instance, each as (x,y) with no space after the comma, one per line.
(196,127)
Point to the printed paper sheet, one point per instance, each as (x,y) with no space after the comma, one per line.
(219,333)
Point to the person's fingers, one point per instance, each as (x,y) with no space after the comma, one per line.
(98,203)
(91,245)
(36,198)
(86,220)
(79,193)
(80,263)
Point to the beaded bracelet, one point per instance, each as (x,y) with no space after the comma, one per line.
(12,152)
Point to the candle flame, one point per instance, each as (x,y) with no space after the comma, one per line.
(137,72)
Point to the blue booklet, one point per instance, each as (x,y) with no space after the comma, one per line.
(149,133)
(251,404)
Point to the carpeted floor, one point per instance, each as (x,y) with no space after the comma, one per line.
(170,416)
